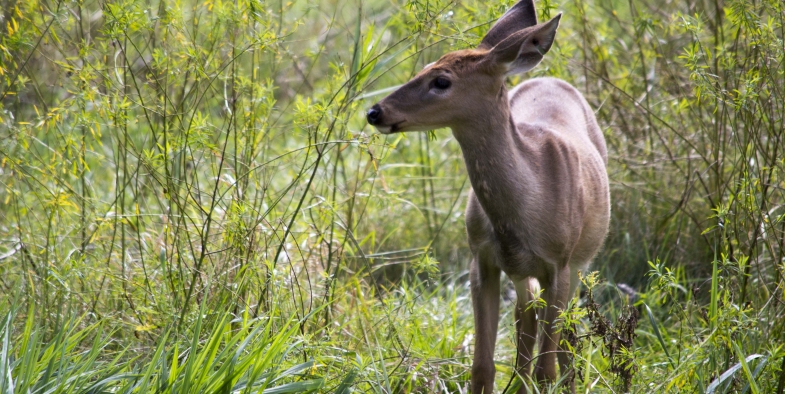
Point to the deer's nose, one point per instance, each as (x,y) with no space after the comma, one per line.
(374,114)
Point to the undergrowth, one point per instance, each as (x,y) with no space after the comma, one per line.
(191,200)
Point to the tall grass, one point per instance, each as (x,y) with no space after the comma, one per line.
(191,196)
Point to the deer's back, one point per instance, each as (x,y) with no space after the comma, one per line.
(557,105)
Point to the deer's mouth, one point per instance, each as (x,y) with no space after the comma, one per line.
(393,128)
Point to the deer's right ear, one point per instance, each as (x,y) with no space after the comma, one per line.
(522,50)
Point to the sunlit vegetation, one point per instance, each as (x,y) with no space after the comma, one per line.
(191,200)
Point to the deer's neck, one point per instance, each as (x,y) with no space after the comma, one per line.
(495,162)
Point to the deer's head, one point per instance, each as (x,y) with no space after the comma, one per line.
(460,85)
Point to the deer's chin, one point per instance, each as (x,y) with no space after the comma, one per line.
(403,126)
(392,128)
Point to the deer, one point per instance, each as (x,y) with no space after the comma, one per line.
(539,204)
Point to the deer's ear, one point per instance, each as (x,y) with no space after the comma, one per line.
(519,17)
(522,50)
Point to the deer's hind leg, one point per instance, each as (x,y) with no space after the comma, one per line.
(557,294)
(525,327)
(565,362)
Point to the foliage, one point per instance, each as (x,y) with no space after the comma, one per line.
(190,195)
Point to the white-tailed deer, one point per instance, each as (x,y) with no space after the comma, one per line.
(540,205)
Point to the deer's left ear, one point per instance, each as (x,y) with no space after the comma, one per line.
(519,17)
(522,50)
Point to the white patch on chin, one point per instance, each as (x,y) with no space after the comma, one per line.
(384,129)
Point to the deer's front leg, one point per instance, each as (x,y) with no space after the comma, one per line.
(484,277)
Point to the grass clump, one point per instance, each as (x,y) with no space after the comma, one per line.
(191,201)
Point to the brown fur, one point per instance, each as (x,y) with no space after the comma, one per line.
(458,61)
(540,205)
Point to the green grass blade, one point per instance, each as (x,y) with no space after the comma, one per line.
(762,364)
(6,379)
(729,373)
(305,386)
(745,367)
(659,335)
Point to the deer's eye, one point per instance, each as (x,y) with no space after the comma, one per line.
(441,83)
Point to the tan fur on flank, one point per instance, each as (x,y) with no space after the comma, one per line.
(535,156)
